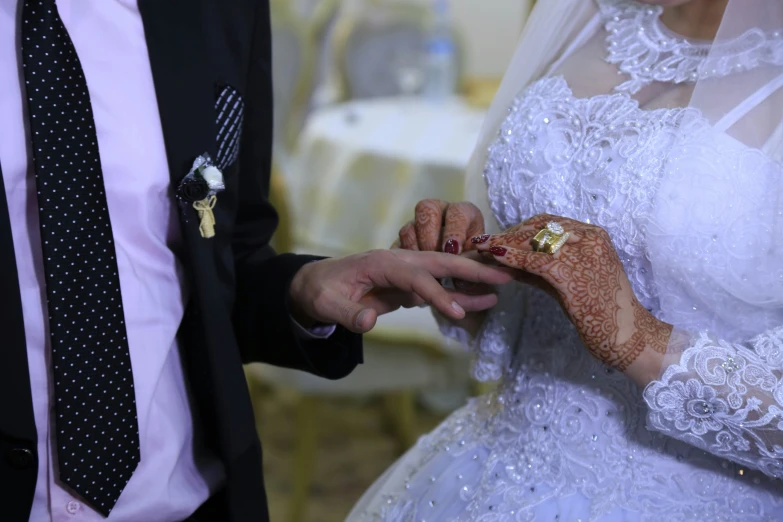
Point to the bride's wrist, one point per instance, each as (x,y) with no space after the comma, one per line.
(647,367)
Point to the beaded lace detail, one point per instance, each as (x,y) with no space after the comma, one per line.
(591,160)
(562,426)
(564,437)
(725,398)
(647,51)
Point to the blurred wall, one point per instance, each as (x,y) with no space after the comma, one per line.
(491,29)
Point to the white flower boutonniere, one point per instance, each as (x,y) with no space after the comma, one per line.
(199,188)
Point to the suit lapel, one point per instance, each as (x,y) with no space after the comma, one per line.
(185,92)
(184,85)
(16,407)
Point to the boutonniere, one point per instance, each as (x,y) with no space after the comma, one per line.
(199,188)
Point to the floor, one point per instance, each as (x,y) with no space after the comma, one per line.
(355,447)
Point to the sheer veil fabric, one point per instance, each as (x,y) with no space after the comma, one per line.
(715,238)
(673,145)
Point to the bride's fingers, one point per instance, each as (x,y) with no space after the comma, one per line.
(429,223)
(407,238)
(540,222)
(536,263)
(520,238)
(463,220)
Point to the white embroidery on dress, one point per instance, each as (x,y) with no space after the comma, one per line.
(647,51)
(725,398)
(562,425)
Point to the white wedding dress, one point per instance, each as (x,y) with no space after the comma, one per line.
(566,438)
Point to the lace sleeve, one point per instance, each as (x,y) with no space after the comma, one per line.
(726,399)
(496,341)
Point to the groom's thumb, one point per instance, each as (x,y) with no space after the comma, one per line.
(356,317)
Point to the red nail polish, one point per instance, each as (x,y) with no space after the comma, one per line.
(476,240)
(498,251)
(452,247)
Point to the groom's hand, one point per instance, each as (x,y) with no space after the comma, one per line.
(354,290)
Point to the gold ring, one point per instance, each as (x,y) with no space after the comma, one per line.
(550,239)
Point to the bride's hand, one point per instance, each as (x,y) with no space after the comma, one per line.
(442,226)
(588,279)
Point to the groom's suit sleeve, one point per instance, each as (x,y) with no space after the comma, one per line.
(264,328)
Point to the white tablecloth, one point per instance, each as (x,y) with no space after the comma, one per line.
(361,168)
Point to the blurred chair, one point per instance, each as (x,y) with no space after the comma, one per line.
(305,8)
(292,73)
(283,240)
(322,21)
(403,355)
(369,43)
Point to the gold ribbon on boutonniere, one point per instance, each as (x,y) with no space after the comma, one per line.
(206,216)
(199,189)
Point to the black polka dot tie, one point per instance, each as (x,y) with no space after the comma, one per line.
(97,430)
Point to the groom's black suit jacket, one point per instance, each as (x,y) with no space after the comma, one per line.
(237,312)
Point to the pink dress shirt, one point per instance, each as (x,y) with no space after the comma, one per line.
(175,475)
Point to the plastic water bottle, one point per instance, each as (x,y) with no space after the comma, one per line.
(441,55)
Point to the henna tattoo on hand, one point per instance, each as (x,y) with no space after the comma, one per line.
(456,222)
(650,333)
(408,237)
(593,289)
(428,223)
(463,220)
(590,278)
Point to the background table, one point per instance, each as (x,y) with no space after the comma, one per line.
(358,174)
(361,167)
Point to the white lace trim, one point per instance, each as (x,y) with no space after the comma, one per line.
(601,154)
(647,51)
(726,399)
(490,346)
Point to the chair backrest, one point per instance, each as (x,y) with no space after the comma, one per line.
(292,72)
(368,43)
(279,197)
(305,8)
(322,21)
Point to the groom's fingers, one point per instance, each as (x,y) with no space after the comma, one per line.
(386,300)
(356,317)
(440,265)
(470,288)
(419,272)
(475,303)
(388,269)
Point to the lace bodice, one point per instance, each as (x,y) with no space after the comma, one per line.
(595,160)
(562,423)
(563,429)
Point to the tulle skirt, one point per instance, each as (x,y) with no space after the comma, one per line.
(441,490)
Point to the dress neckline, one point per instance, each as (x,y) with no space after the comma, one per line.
(645,49)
